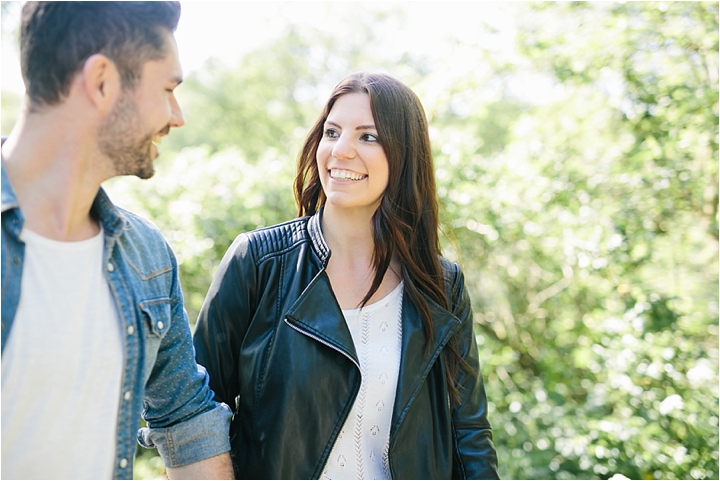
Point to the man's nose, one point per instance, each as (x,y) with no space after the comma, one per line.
(176,118)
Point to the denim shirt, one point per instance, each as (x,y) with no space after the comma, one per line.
(161,380)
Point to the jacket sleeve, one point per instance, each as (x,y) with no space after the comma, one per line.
(224,319)
(475,456)
(183,421)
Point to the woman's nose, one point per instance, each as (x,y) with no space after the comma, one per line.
(344,148)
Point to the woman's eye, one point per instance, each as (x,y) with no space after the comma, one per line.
(369,138)
(331,133)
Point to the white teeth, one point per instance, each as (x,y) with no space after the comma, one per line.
(338,174)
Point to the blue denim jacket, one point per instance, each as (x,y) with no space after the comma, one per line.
(161,379)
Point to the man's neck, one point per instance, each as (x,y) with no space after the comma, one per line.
(49,165)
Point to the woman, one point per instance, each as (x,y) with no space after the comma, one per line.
(361,364)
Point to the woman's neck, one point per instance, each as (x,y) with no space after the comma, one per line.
(349,235)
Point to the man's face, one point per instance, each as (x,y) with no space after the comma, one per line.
(139,119)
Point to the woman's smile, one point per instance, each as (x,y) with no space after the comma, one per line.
(342,175)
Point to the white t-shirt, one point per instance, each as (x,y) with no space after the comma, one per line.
(361,450)
(62,366)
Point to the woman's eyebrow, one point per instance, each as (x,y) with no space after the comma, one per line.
(359,127)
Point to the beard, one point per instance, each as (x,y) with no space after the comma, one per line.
(121,140)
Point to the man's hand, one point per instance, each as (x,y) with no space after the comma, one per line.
(217,467)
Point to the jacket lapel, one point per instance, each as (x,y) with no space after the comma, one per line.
(317,314)
(414,363)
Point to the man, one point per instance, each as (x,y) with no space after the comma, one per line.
(93,325)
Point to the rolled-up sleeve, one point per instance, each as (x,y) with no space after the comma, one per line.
(198,438)
(183,421)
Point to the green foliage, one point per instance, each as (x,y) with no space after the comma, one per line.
(10,105)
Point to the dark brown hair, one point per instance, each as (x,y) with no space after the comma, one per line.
(56,38)
(406,223)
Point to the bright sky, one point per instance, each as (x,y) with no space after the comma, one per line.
(228,29)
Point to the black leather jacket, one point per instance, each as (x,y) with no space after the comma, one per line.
(273,338)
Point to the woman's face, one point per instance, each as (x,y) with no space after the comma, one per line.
(351,163)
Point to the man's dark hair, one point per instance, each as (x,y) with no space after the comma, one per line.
(56,38)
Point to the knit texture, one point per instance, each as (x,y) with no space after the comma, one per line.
(361,450)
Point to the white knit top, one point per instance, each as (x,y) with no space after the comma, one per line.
(361,450)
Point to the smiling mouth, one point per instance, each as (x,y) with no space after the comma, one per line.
(346,175)
(158,137)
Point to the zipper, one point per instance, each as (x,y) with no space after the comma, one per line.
(325,343)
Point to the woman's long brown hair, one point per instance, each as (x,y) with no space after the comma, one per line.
(406,223)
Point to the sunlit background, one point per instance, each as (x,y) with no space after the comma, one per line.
(227,30)
(576,149)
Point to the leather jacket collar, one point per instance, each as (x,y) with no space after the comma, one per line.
(316,237)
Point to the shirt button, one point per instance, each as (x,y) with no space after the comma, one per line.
(123,463)
(110,267)
(127,395)
(131,330)
(160,325)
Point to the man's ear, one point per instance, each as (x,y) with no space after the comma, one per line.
(101,82)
